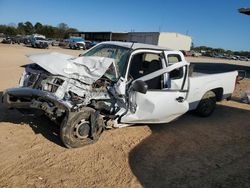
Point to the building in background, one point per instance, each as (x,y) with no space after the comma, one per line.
(171,40)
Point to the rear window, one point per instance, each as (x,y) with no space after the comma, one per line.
(174,58)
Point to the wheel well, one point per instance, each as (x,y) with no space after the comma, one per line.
(218,93)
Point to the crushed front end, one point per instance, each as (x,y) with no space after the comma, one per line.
(77,93)
(53,94)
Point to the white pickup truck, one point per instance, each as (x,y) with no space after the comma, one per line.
(115,84)
(39,41)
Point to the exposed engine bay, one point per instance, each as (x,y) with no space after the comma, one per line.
(72,93)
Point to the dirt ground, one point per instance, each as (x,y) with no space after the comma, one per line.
(189,152)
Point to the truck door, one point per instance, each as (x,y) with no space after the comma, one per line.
(161,103)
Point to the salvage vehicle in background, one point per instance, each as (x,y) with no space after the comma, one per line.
(7,40)
(63,43)
(55,42)
(113,85)
(77,43)
(39,41)
(243,58)
(17,39)
(89,44)
(26,39)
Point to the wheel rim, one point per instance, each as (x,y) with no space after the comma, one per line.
(82,129)
(207,107)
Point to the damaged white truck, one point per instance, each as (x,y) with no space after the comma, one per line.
(114,84)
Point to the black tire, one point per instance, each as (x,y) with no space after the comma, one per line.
(45,45)
(75,130)
(207,104)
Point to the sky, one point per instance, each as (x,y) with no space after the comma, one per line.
(214,23)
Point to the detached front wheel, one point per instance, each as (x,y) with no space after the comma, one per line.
(81,128)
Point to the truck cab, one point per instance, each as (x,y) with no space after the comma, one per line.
(165,74)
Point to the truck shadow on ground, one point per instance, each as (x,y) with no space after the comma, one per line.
(40,125)
(196,152)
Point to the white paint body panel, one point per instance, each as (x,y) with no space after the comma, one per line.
(161,106)
(156,107)
(199,85)
(85,69)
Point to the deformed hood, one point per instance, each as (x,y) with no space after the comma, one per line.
(85,69)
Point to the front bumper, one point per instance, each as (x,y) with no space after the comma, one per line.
(80,46)
(27,98)
(42,45)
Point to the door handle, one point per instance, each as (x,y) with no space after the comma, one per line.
(180,99)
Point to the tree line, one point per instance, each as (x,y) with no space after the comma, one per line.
(27,28)
(221,51)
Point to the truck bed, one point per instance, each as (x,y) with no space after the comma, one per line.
(200,83)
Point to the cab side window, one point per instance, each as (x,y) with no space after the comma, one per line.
(177,73)
(143,64)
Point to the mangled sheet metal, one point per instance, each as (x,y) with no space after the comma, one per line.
(85,69)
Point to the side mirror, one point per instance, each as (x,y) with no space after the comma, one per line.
(139,86)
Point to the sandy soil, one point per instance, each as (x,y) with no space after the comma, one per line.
(189,152)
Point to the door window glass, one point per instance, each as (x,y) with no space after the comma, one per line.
(143,64)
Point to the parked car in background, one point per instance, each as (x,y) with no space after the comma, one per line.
(63,43)
(196,54)
(55,42)
(26,39)
(242,58)
(7,40)
(39,41)
(89,44)
(231,57)
(216,55)
(77,43)
(17,39)
(237,57)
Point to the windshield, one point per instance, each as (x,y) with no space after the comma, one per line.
(77,40)
(118,53)
(39,38)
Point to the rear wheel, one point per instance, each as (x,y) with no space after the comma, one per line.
(81,128)
(206,105)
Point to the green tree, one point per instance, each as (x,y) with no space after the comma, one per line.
(10,31)
(63,26)
(48,31)
(21,28)
(28,27)
(38,27)
(61,31)
(70,30)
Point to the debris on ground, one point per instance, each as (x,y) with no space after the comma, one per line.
(245,96)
